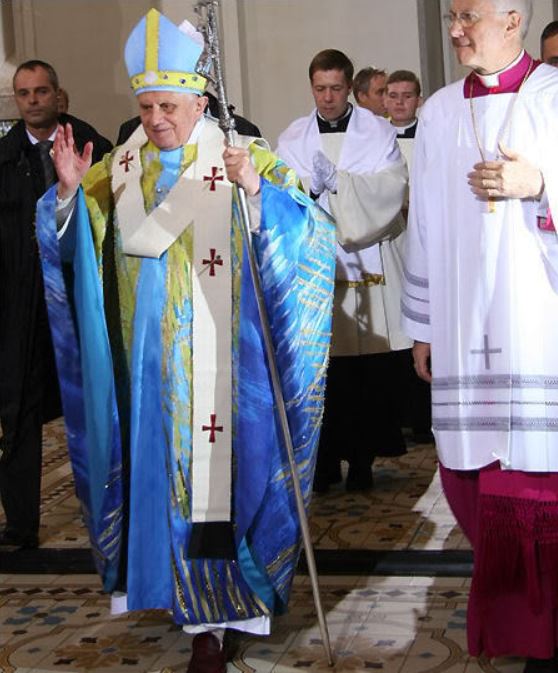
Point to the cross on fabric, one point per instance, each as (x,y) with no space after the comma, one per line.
(212,429)
(214,260)
(213,178)
(125,161)
(486,351)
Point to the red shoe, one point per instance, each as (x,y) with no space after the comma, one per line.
(207,655)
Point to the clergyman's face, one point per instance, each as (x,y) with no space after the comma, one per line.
(331,90)
(168,117)
(401,102)
(373,98)
(36,99)
(550,50)
(479,46)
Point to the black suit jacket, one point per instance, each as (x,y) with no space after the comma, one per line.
(26,357)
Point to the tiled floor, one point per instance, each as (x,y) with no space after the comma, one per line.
(388,624)
(405,510)
(391,625)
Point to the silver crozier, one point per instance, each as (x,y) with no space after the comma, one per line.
(211,68)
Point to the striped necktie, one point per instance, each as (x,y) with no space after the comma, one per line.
(46,160)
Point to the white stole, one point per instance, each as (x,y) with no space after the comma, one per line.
(201,199)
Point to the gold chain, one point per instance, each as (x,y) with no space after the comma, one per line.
(491,201)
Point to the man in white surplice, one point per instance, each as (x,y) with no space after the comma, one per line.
(349,160)
(481,297)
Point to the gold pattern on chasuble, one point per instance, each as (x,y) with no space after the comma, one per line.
(311,284)
(277,173)
(209,578)
(189,588)
(274,567)
(199,586)
(98,198)
(115,518)
(217,583)
(100,205)
(176,328)
(179,593)
(255,604)
(237,253)
(234,595)
(181,493)
(176,332)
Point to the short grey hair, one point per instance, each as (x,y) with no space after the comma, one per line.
(523,7)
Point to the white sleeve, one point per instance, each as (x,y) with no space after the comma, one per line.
(64,211)
(255,211)
(366,205)
(548,240)
(415,299)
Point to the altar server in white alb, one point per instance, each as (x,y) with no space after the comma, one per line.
(349,160)
(481,300)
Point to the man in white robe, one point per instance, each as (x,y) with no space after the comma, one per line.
(481,298)
(402,100)
(349,160)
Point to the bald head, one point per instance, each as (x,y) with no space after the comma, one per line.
(487,35)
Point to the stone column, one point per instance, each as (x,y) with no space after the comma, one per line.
(8,108)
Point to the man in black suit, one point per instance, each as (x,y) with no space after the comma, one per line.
(28,383)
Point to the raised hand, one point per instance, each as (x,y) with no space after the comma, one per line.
(70,165)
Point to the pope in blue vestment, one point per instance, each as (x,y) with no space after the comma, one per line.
(174,439)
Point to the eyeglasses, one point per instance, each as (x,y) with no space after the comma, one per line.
(468,19)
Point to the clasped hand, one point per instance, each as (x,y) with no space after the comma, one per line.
(324,174)
(512,178)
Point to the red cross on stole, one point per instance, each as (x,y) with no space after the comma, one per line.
(126,160)
(214,260)
(212,428)
(214,177)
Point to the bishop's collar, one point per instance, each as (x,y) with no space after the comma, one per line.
(492,81)
(507,80)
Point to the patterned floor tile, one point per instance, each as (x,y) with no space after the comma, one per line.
(388,625)
(406,508)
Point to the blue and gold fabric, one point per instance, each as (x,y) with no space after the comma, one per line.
(123,337)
